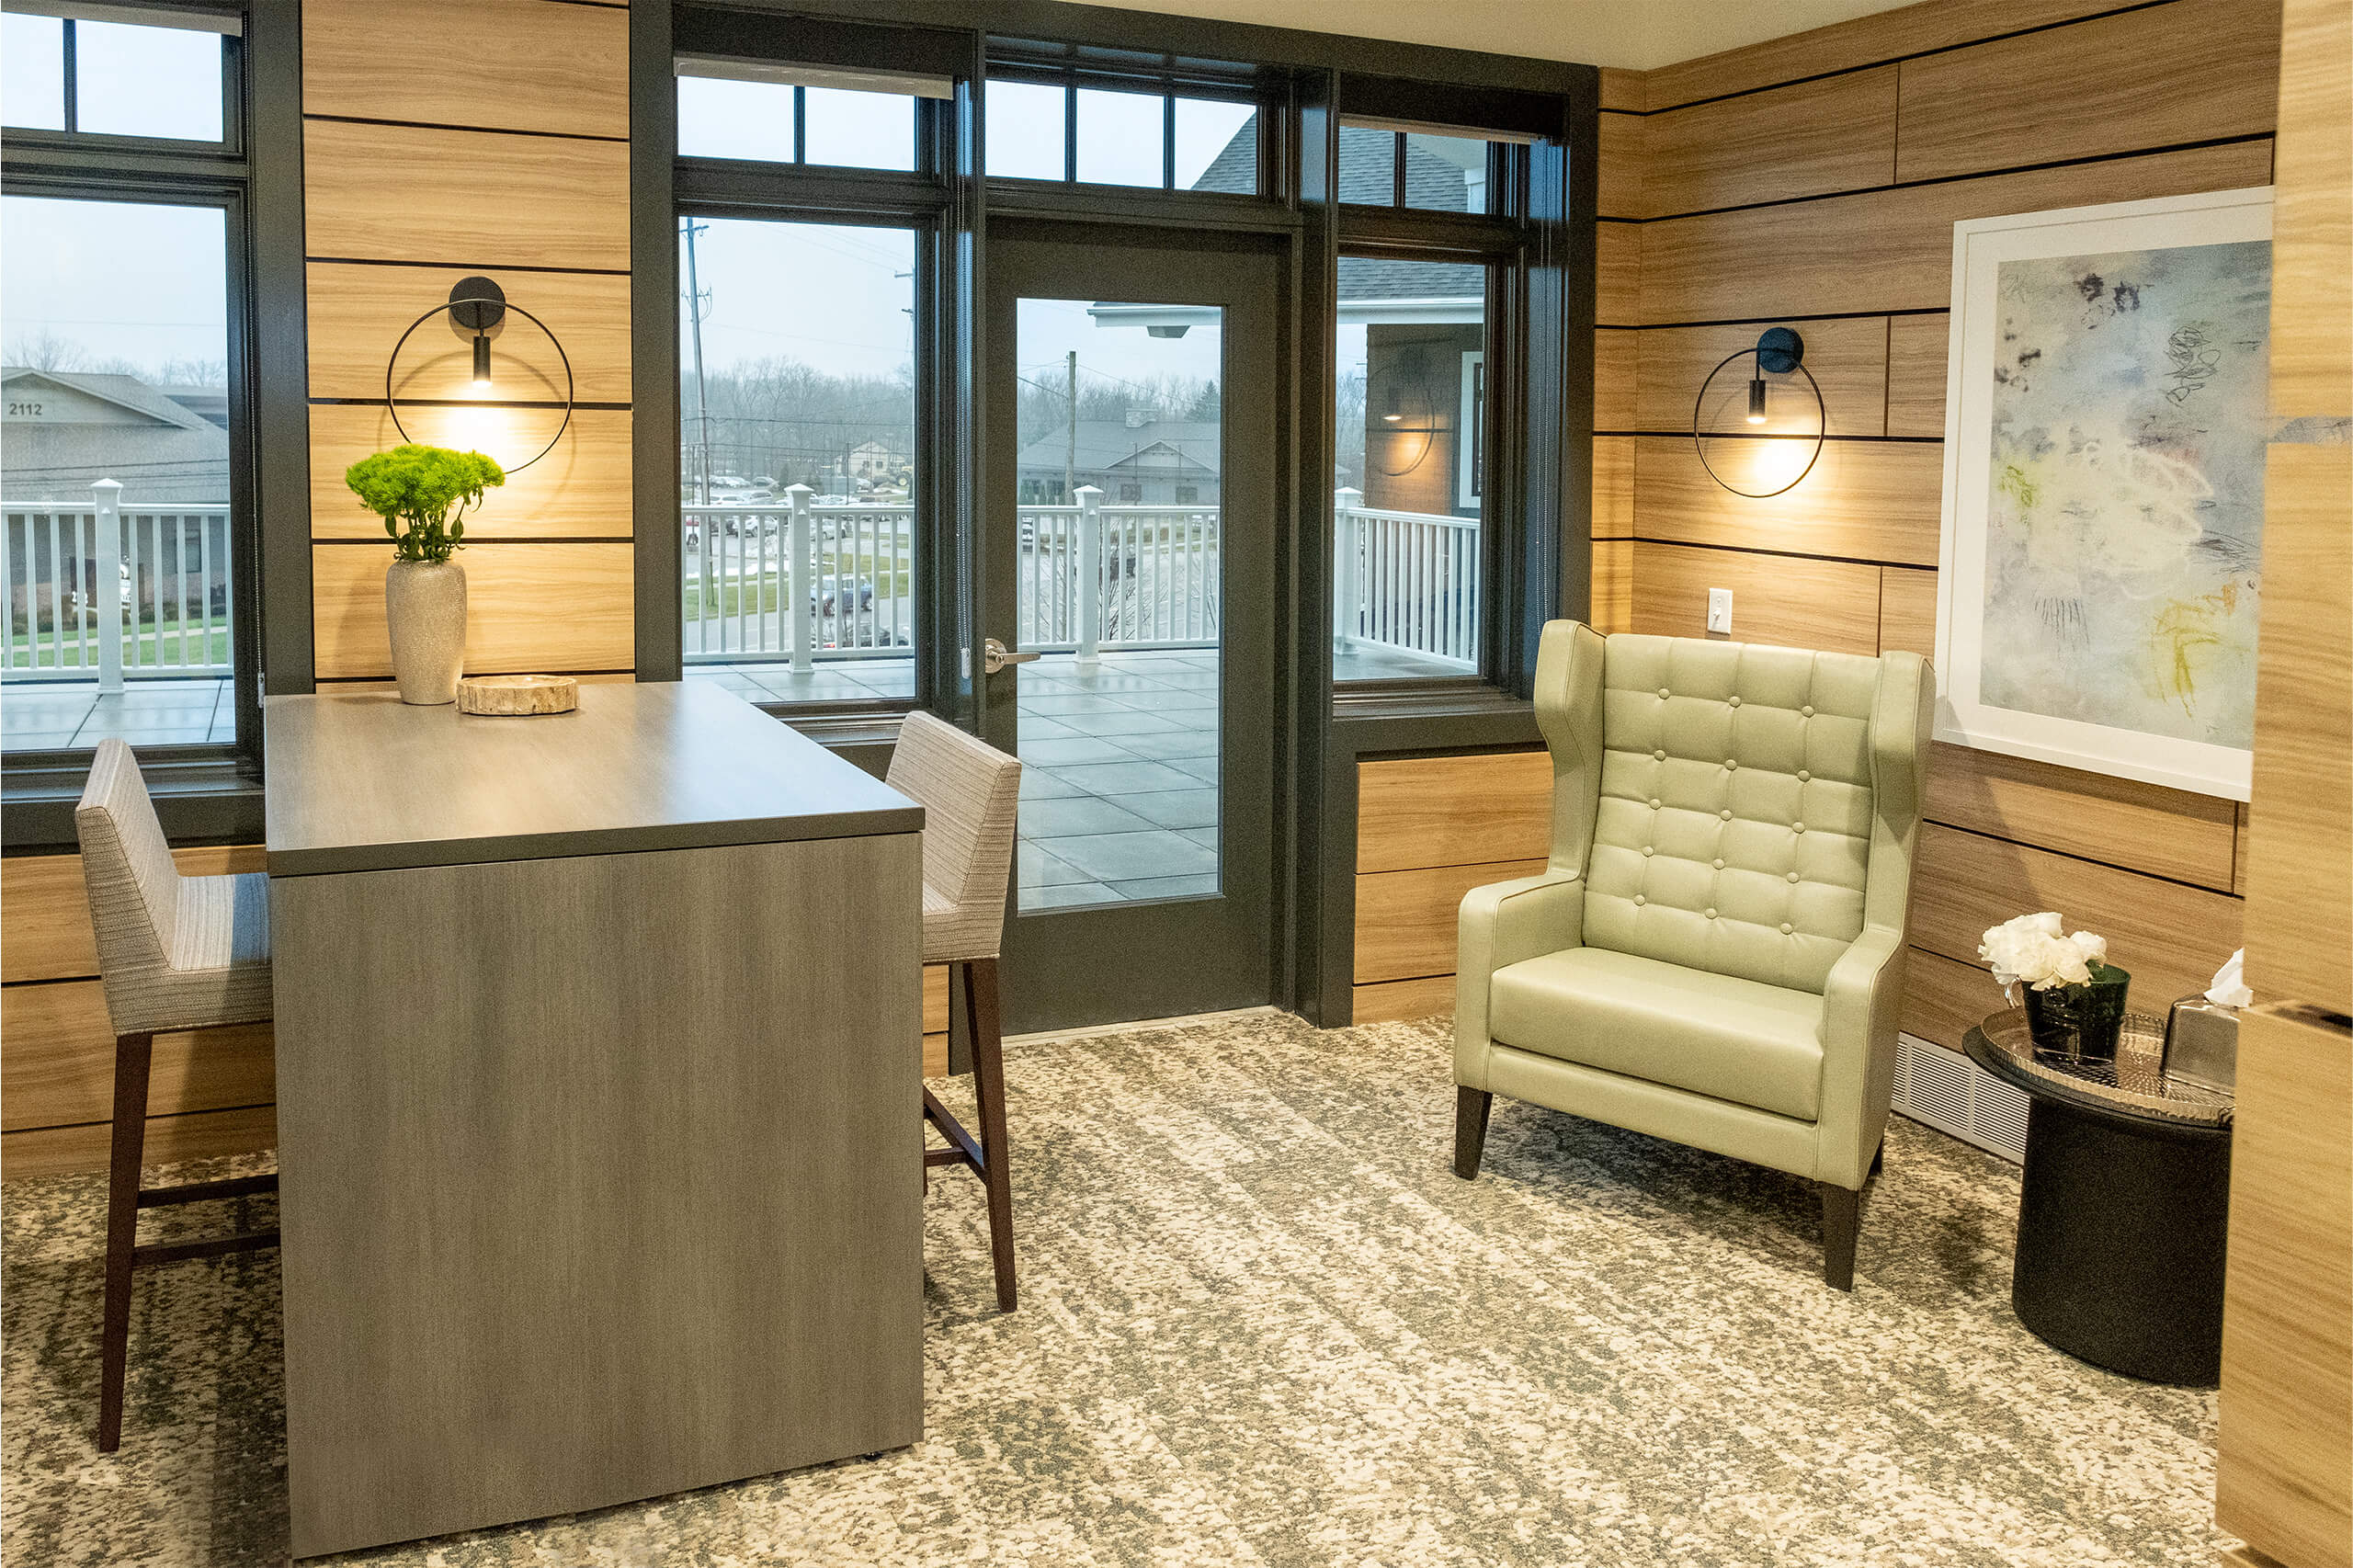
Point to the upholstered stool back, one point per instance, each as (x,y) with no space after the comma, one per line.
(969,792)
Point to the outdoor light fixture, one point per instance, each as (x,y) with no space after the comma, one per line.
(478,308)
(1777,352)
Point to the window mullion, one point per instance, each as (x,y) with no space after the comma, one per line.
(72,87)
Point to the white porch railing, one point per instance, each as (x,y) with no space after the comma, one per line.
(1404,580)
(1094,577)
(116,591)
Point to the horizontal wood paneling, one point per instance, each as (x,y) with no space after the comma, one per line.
(1453,810)
(1865,500)
(496,64)
(1393,1000)
(58,1066)
(1405,920)
(1618,274)
(1907,611)
(468,197)
(2171,937)
(45,911)
(529,607)
(1849,358)
(580,490)
(2192,71)
(2143,827)
(1915,374)
(1791,601)
(1617,354)
(198,1135)
(1618,171)
(1613,487)
(1613,584)
(1808,139)
(935,998)
(1944,999)
(358,312)
(1622,89)
(2311,289)
(1889,250)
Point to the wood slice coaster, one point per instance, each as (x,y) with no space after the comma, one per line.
(517,696)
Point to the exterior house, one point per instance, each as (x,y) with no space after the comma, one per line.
(63,429)
(873,459)
(1138,460)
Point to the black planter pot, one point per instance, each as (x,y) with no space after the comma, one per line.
(2080,1023)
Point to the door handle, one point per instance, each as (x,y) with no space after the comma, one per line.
(994,657)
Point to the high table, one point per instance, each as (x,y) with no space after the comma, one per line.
(598,1077)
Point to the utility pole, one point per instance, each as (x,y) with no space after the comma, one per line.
(695,302)
(1070,460)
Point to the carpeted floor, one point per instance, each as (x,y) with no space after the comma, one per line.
(1262,1323)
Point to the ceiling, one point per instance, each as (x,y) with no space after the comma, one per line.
(1636,34)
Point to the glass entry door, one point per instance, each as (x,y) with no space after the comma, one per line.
(1127,565)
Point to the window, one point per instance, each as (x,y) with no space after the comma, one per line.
(163,83)
(792,114)
(1121,136)
(1430,171)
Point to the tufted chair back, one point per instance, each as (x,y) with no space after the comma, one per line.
(1742,820)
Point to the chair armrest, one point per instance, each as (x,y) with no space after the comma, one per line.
(1501,924)
(1862,1000)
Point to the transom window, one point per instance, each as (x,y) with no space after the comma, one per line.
(1390,163)
(1118,136)
(165,81)
(797,114)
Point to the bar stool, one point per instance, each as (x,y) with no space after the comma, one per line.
(174,954)
(969,792)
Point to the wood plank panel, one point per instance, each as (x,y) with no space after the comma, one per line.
(511,64)
(2299,907)
(2192,71)
(1889,250)
(1618,274)
(465,198)
(1613,487)
(2311,289)
(1619,170)
(358,312)
(58,1067)
(1789,601)
(45,911)
(2170,936)
(1613,584)
(1915,374)
(2143,827)
(1907,611)
(201,1135)
(580,490)
(935,999)
(1847,358)
(1943,1000)
(1429,997)
(544,608)
(1865,500)
(2239,847)
(1405,920)
(1453,810)
(1622,89)
(1617,353)
(2284,1464)
(1808,139)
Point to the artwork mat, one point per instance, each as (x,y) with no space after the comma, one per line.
(1980,247)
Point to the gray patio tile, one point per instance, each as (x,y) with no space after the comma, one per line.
(1080,749)
(1204,836)
(1065,894)
(1038,869)
(1122,777)
(1126,722)
(1060,704)
(165,694)
(1189,680)
(1145,663)
(142,731)
(42,713)
(1111,680)
(1052,820)
(1045,784)
(1165,887)
(1175,808)
(37,740)
(887,677)
(1198,768)
(1174,743)
(817,686)
(1119,857)
(1169,699)
(1037,727)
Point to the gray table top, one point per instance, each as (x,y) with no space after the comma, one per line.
(364,782)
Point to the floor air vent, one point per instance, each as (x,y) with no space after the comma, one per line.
(1952,1094)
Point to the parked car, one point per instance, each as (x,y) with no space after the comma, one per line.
(823,604)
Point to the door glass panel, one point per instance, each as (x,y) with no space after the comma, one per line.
(1121,588)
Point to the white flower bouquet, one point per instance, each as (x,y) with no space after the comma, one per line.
(2075,997)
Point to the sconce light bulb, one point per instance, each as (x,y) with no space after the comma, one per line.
(1757,400)
(1392,418)
(481,362)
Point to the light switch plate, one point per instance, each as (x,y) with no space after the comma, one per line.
(1720,610)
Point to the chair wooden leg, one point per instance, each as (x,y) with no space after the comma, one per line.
(979,986)
(1841,1218)
(1470,1107)
(132,1056)
(1879,1159)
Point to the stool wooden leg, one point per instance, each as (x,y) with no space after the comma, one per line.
(978,979)
(1471,1107)
(132,1056)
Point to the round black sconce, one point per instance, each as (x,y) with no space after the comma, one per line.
(477,309)
(1779,351)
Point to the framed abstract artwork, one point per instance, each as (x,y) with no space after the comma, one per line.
(2100,576)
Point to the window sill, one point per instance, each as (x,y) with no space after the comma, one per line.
(215,799)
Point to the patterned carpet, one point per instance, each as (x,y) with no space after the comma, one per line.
(1262,1323)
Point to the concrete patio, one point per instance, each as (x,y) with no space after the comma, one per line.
(61,715)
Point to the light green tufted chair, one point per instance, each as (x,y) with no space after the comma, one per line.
(1715,953)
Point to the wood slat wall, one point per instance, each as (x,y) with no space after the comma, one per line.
(1812,181)
(512,163)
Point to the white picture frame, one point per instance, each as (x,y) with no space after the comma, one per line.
(1964,716)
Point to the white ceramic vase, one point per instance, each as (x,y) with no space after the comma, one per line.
(425,604)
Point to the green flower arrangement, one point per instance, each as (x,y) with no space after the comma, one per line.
(422,493)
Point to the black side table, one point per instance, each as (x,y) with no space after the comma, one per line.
(2124,1207)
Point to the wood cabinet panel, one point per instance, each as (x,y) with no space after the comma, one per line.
(544,608)
(1429,997)
(1618,172)
(2283,1476)
(1915,374)
(1613,487)
(1789,601)
(506,65)
(200,1135)
(1944,999)
(1807,139)
(2311,219)
(2192,71)
(58,1065)
(1849,358)
(2143,827)
(1907,611)
(1405,920)
(935,998)
(358,313)
(580,490)
(1864,501)
(475,199)
(1617,353)
(1889,250)
(45,910)
(1453,810)
(1618,274)
(2170,936)
(1613,584)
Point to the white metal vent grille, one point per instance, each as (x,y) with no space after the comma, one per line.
(1952,1094)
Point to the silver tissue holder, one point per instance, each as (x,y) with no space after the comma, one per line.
(2202,1044)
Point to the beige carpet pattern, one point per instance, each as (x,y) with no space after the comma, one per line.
(1263,1324)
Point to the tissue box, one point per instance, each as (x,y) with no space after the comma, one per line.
(2202,1044)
